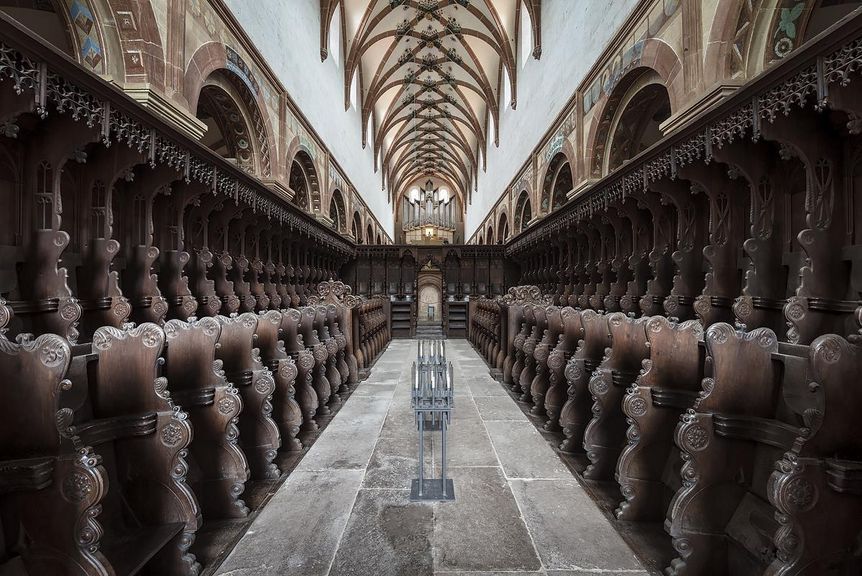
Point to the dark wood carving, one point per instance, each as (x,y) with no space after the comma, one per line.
(577,411)
(218,469)
(258,433)
(605,435)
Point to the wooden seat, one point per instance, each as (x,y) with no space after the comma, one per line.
(816,487)
(550,330)
(340,363)
(324,331)
(567,342)
(526,328)
(286,412)
(577,411)
(756,403)
(51,483)
(605,435)
(667,387)
(312,341)
(218,469)
(258,433)
(121,406)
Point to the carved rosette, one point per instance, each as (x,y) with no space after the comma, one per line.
(331,346)
(556,359)
(743,309)
(574,371)
(792,492)
(264,383)
(320,354)
(703,307)
(287,370)
(84,486)
(519,342)
(600,383)
(795,312)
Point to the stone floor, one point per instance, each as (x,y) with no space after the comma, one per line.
(345,509)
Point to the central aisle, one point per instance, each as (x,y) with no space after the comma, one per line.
(345,509)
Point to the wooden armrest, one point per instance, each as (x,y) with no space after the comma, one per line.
(844,476)
(194,398)
(761,430)
(26,474)
(96,432)
(673,398)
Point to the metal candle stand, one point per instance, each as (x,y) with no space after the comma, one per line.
(432,400)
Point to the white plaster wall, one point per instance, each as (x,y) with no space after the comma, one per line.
(574,33)
(287,33)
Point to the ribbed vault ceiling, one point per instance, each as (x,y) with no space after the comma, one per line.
(429,73)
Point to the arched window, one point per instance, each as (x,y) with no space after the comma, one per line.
(303,182)
(337,212)
(503,228)
(369,235)
(557,184)
(523,212)
(356,227)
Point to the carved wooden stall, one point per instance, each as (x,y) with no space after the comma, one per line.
(146,434)
(738,437)
(463,271)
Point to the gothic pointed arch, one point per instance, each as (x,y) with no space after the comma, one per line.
(428,73)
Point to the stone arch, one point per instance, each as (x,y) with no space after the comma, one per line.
(304,182)
(214,60)
(558,180)
(369,234)
(481,239)
(235,127)
(523,212)
(337,210)
(636,123)
(356,227)
(379,238)
(489,234)
(610,111)
(503,227)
